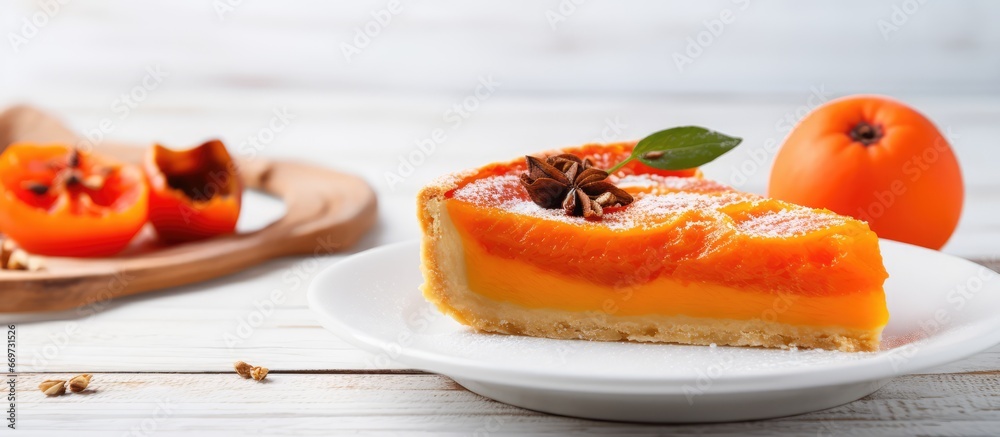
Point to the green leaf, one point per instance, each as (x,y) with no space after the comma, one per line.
(681,148)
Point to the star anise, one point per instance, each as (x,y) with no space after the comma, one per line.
(573,184)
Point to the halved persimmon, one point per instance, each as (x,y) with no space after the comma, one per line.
(194,194)
(58,201)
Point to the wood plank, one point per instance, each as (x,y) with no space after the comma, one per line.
(318,404)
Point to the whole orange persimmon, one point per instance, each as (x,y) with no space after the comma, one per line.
(878,160)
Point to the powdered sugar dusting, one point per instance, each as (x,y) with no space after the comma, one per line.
(671,183)
(504,191)
(786,222)
(663,201)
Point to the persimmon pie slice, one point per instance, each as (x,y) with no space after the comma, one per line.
(551,246)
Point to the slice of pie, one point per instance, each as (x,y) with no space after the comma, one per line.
(685,260)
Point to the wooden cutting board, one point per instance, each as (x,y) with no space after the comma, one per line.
(326,212)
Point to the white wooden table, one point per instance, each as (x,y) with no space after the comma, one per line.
(163,363)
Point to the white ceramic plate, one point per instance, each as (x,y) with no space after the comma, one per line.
(942,309)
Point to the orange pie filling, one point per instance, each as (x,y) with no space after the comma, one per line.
(508,280)
(688,255)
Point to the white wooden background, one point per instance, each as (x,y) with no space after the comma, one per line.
(603,71)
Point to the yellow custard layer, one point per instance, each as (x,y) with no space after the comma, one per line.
(512,281)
